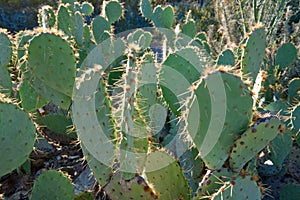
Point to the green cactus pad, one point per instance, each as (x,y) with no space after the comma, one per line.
(30,99)
(17,136)
(163,172)
(99,25)
(5,49)
(113,11)
(189,29)
(184,66)
(294,90)
(146,9)
(52,185)
(78,28)
(87,8)
(295,117)
(51,63)
(163,17)
(253,141)
(65,19)
(241,188)
(254,53)
(226,58)
(136,188)
(223,106)
(286,55)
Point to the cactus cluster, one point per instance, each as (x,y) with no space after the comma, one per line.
(190,124)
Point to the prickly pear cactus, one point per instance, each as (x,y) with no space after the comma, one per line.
(99,26)
(254,140)
(223,106)
(113,11)
(226,58)
(53,185)
(146,9)
(163,17)
(87,8)
(285,55)
(51,63)
(16,141)
(254,53)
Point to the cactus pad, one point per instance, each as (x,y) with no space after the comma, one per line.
(254,53)
(113,11)
(87,8)
(51,62)
(99,25)
(253,141)
(52,185)
(226,58)
(17,136)
(286,55)
(163,17)
(223,106)
(146,9)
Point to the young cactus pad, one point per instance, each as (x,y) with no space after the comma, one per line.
(17,136)
(113,11)
(52,185)
(254,53)
(146,9)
